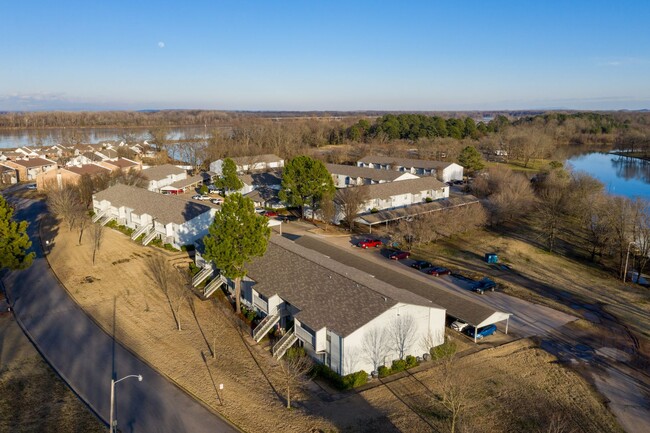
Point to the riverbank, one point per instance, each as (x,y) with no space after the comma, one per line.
(644,156)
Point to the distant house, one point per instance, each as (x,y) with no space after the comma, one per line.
(246,164)
(160,176)
(68,175)
(330,309)
(444,171)
(352,175)
(28,169)
(8,175)
(262,188)
(391,195)
(183,185)
(171,219)
(123,164)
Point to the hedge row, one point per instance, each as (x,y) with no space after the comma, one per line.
(348,381)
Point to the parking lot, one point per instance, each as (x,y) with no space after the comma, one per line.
(527,319)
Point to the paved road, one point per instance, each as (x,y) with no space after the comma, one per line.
(86,357)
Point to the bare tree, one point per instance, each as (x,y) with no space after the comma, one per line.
(64,203)
(402,331)
(159,138)
(376,346)
(98,233)
(641,233)
(327,209)
(456,393)
(173,283)
(83,221)
(294,366)
(350,201)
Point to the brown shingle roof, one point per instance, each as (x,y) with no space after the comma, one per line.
(262,179)
(183,183)
(390,189)
(363,172)
(406,162)
(91,169)
(160,172)
(33,162)
(164,208)
(326,292)
(122,163)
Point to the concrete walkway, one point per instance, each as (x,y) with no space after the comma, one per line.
(86,357)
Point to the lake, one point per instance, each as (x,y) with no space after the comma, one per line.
(49,137)
(621,175)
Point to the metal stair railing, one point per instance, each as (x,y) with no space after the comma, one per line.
(284,344)
(265,326)
(99,215)
(106,219)
(214,285)
(202,275)
(140,230)
(152,234)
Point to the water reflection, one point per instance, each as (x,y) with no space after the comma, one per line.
(631,168)
(621,175)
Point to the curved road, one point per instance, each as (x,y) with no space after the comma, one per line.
(86,357)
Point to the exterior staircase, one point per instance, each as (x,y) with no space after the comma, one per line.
(265,326)
(284,344)
(140,231)
(203,274)
(99,215)
(149,237)
(106,219)
(213,285)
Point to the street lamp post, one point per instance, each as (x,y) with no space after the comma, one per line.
(627,257)
(111,426)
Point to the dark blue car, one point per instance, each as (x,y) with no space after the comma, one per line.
(485,331)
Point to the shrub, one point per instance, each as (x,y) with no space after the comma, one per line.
(445,350)
(354,380)
(170,247)
(374,210)
(112,224)
(383,371)
(248,314)
(188,247)
(411,361)
(428,199)
(204,190)
(194,269)
(398,365)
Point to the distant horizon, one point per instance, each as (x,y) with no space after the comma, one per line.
(325,56)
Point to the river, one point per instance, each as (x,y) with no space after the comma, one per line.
(621,175)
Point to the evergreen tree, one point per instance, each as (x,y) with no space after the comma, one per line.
(14,241)
(229,180)
(304,181)
(236,236)
(471,159)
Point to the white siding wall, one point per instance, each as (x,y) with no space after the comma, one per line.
(453,172)
(429,321)
(195,228)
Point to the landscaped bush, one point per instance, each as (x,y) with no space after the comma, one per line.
(354,380)
(411,361)
(248,314)
(188,247)
(445,350)
(348,381)
(428,199)
(204,190)
(383,371)
(194,269)
(112,224)
(170,247)
(398,365)
(374,210)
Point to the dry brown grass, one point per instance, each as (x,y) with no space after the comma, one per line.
(33,399)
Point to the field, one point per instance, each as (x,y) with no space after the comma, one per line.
(514,386)
(34,399)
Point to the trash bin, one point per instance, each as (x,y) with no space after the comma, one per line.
(491,258)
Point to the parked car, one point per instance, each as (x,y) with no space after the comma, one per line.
(370,243)
(399,255)
(484,285)
(270,214)
(421,264)
(437,271)
(31,186)
(458,325)
(201,197)
(485,331)
(217,200)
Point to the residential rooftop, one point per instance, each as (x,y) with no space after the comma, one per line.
(33,162)
(268,178)
(160,172)
(91,169)
(408,186)
(164,208)
(364,172)
(327,293)
(248,160)
(405,162)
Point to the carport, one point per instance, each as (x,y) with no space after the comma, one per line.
(389,215)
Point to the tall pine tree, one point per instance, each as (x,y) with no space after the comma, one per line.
(14,241)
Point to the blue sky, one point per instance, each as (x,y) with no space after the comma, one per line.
(324,55)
